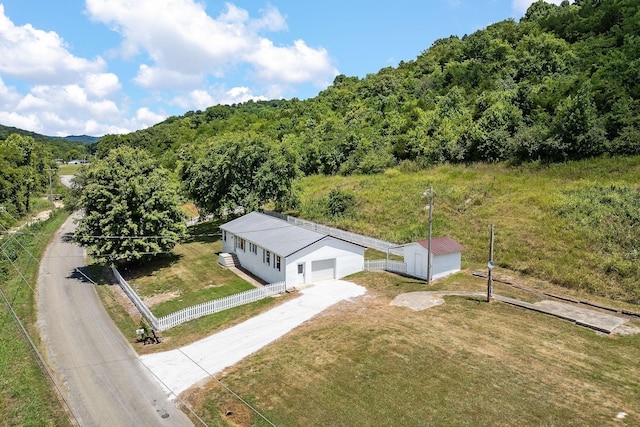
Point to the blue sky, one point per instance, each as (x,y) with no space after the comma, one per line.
(114,66)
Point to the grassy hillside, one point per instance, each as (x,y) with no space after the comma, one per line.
(575,224)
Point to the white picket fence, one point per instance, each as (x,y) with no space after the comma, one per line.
(196,311)
(210,307)
(386,265)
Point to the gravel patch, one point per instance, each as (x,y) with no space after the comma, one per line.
(418,300)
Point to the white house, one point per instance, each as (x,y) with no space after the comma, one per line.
(445,260)
(275,251)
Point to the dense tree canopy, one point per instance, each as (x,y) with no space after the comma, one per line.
(560,84)
(244,172)
(25,165)
(131,207)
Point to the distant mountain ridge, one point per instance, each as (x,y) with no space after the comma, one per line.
(5,131)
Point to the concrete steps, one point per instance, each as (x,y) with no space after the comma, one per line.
(228,260)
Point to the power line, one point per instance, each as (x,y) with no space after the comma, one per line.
(39,358)
(237,396)
(66,260)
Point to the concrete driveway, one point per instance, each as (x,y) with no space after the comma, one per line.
(182,368)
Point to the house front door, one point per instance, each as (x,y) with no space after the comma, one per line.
(300,274)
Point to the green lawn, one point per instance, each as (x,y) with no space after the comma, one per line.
(190,275)
(467,362)
(68,169)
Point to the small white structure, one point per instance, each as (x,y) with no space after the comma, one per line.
(275,251)
(446,257)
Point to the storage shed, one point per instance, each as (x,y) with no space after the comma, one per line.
(446,257)
(275,250)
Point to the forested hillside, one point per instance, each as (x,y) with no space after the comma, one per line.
(560,84)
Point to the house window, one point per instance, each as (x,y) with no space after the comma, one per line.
(267,257)
(241,245)
(224,235)
(253,248)
(277,264)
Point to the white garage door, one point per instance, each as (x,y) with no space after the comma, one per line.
(323,270)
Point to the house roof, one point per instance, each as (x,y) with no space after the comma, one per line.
(271,233)
(442,245)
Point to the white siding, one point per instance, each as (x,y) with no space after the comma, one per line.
(228,245)
(444,265)
(410,252)
(441,265)
(349,259)
(253,262)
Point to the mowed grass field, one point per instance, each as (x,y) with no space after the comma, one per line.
(367,363)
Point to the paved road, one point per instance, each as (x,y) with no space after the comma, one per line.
(66,180)
(101,375)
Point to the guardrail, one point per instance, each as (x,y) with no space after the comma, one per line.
(135,299)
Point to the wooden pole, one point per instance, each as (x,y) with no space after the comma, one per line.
(429,243)
(490,267)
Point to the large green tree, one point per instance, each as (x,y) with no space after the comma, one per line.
(24,173)
(246,172)
(131,208)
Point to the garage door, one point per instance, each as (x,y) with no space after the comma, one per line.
(323,270)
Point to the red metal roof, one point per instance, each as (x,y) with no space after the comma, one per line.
(442,245)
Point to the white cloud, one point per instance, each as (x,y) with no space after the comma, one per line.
(187,45)
(156,77)
(521,6)
(296,64)
(39,56)
(101,85)
(201,99)
(8,96)
(62,93)
(145,118)
(29,122)
(61,110)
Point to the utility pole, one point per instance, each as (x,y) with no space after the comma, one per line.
(50,187)
(430,193)
(490,265)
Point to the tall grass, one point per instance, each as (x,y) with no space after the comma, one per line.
(26,397)
(575,224)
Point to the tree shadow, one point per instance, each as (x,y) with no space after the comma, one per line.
(206,232)
(82,274)
(67,237)
(147,266)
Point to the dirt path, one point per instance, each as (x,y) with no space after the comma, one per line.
(102,377)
